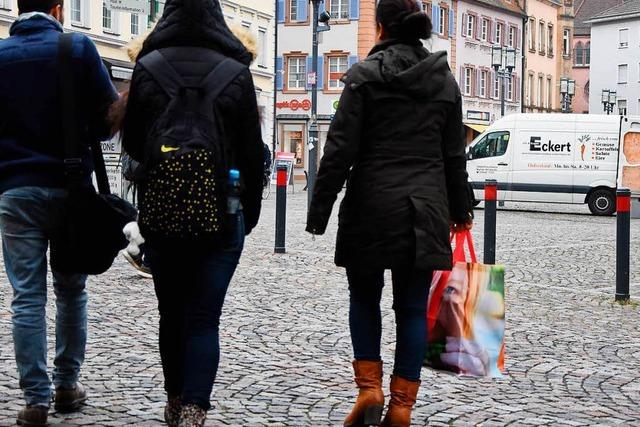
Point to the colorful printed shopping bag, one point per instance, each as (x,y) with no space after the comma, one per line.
(466,316)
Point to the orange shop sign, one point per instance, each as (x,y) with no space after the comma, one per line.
(294,105)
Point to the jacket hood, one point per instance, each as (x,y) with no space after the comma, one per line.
(34,23)
(245,37)
(198,23)
(409,67)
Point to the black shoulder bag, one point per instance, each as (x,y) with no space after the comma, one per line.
(91,236)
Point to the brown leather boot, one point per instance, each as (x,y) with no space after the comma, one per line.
(403,397)
(33,416)
(70,400)
(370,403)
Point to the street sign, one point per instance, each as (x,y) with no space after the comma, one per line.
(137,7)
(311,78)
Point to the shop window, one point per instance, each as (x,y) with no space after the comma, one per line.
(293,142)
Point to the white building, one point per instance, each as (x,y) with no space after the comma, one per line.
(615,62)
(338,51)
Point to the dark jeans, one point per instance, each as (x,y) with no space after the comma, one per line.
(410,294)
(191,286)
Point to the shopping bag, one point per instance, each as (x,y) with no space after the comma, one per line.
(466,316)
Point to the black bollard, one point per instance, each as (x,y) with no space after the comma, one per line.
(622,246)
(490,216)
(281,209)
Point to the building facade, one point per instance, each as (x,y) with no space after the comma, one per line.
(541,82)
(564,61)
(482,25)
(338,51)
(615,63)
(581,48)
(258,16)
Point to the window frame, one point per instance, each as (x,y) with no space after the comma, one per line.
(622,44)
(329,5)
(550,40)
(471,25)
(566,43)
(498,37)
(468,75)
(287,15)
(495,136)
(484,81)
(287,72)
(484,30)
(262,60)
(327,71)
(549,94)
(137,24)
(626,78)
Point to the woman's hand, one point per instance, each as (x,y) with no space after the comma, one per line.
(462,227)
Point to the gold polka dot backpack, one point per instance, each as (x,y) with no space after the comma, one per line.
(186,167)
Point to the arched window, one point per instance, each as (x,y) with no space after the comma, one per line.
(579,59)
(587,54)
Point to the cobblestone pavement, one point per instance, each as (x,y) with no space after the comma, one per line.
(573,355)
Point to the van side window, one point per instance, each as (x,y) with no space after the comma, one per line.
(493,145)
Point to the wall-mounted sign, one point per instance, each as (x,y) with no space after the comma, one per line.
(294,105)
(334,105)
(311,79)
(478,115)
(138,7)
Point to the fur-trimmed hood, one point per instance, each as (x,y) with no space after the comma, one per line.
(196,23)
(245,36)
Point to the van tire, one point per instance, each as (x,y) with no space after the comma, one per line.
(602,202)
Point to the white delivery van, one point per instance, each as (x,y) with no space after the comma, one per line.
(549,158)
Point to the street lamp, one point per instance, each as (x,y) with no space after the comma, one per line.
(503,61)
(318,19)
(567,90)
(609,99)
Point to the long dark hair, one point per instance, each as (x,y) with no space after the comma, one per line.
(404,20)
(25,6)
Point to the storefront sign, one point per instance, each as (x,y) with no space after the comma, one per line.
(294,105)
(138,7)
(479,115)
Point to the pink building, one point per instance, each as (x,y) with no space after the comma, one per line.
(581,49)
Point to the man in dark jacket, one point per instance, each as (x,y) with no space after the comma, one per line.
(32,187)
(191,282)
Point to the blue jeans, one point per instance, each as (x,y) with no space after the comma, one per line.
(191,285)
(28,216)
(410,294)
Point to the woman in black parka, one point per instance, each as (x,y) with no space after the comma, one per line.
(398,136)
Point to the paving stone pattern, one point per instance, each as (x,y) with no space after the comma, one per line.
(573,355)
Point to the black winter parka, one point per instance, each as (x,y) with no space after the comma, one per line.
(200,23)
(398,136)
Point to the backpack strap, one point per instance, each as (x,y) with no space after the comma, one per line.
(221,77)
(163,72)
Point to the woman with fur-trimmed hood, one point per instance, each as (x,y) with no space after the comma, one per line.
(191,281)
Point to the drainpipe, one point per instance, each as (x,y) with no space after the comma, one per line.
(274,143)
(524,45)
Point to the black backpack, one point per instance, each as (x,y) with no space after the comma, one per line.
(186,158)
